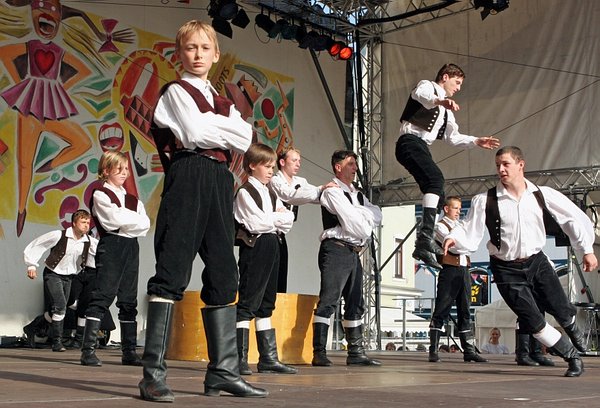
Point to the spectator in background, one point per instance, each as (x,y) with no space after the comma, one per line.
(493,346)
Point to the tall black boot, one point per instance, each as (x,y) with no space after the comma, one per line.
(356,349)
(320,359)
(223,373)
(469,351)
(78,339)
(565,349)
(243,338)
(129,343)
(536,353)
(434,343)
(522,350)
(32,328)
(56,329)
(425,247)
(90,334)
(268,361)
(577,337)
(153,387)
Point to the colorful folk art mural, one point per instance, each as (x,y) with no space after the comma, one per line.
(74,84)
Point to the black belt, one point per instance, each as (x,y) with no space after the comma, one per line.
(218,155)
(355,248)
(520,261)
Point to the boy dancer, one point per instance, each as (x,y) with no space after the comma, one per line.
(262,221)
(120,219)
(194,130)
(427,117)
(293,191)
(454,285)
(70,251)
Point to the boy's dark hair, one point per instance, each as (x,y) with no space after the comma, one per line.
(80,214)
(452,70)
(258,153)
(341,155)
(514,151)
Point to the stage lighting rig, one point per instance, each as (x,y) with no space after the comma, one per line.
(490,6)
(223,11)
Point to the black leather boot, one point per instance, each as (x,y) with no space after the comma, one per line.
(243,338)
(32,328)
(565,349)
(356,349)
(320,359)
(78,339)
(537,355)
(223,373)
(268,361)
(426,248)
(56,329)
(434,343)
(522,350)
(469,351)
(129,343)
(90,334)
(577,337)
(153,387)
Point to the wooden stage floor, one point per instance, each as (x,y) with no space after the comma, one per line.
(41,378)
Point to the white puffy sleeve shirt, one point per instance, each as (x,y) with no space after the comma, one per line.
(256,220)
(356,221)
(130,224)
(177,110)
(298,192)
(424,94)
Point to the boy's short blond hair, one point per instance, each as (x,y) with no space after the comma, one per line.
(284,152)
(258,153)
(110,161)
(193,26)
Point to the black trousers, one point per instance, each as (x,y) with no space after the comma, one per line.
(196,217)
(117,265)
(525,285)
(454,285)
(413,153)
(258,278)
(283,266)
(57,287)
(341,276)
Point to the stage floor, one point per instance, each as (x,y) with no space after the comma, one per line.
(41,378)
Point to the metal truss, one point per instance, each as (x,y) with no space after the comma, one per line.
(569,181)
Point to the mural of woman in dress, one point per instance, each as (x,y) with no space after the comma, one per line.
(43,72)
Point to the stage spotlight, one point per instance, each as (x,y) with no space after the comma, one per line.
(490,6)
(225,9)
(345,53)
(222,26)
(264,22)
(321,42)
(308,40)
(335,48)
(241,19)
(289,31)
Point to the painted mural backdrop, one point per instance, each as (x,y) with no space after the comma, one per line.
(74,84)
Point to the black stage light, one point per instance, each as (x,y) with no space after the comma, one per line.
(335,48)
(222,26)
(228,9)
(345,53)
(490,6)
(263,21)
(241,19)
(321,42)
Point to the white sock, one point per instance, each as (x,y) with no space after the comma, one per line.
(548,336)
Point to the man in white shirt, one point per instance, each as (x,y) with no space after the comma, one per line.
(293,191)
(70,250)
(348,221)
(427,117)
(518,215)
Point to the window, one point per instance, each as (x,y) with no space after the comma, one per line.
(399,269)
